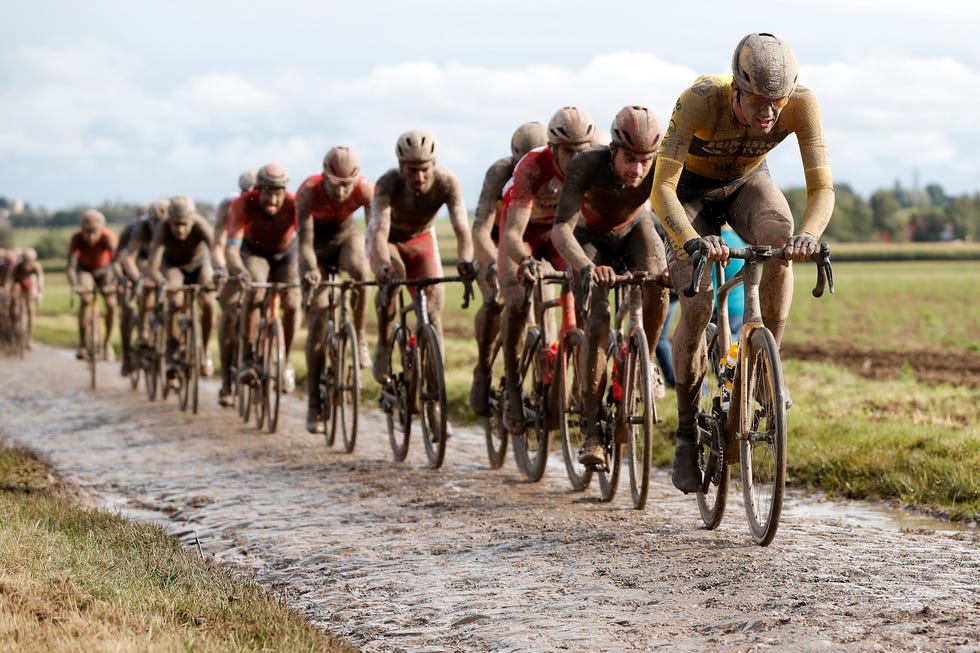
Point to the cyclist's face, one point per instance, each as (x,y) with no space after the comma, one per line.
(632,167)
(272,199)
(180,227)
(757,112)
(418,176)
(565,153)
(338,188)
(91,236)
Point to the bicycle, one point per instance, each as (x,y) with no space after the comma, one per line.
(92,343)
(260,380)
(339,385)
(189,354)
(628,411)
(744,421)
(415,380)
(536,372)
(14,328)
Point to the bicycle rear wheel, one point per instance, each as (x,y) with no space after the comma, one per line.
(272,376)
(394,395)
(346,394)
(531,448)
(763,447)
(570,405)
(713,495)
(496,434)
(432,395)
(639,416)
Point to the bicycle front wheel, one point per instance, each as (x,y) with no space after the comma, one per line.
(639,413)
(496,434)
(345,396)
(570,406)
(272,378)
(763,443)
(713,495)
(432,395)
(531,448)
(394,396)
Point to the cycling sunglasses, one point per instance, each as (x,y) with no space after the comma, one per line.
(759,102)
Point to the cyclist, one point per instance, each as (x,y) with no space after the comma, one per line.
(401,236)
(331,239)
(127,313)
(525,237)
(90,253)
(485,237)
(262,247)
(27,276)
(606,194)
(712,168)
(228,294)
(180,254)
(133,257)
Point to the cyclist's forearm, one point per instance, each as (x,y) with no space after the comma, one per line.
(563,238)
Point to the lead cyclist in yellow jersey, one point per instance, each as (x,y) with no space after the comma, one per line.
(712,169)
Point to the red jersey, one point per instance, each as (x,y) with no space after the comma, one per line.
(536,185)
(325,210)
(248,222)
(93,257)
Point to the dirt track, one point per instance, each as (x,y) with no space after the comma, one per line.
(398,557)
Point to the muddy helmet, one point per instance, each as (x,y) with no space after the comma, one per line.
(272,175)
(527,137)
(416,146)
(341,164)
(637,129)
(180,206)
(158,210)
(29,254)
(764,65)
(92,220)
(246,180)
(570,126)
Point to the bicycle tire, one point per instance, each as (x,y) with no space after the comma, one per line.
(92,343)
(272,377)
(712,498)
(639,416)
(258,387)
(394,396)
(148,363)
(346,395)
(197,355)
(432,395)
(495,434)
(183,363)
(763,448)
(326,386)
(531,447)
(241,389)
(570,407)
(160,352)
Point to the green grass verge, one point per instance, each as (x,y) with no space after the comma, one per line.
(88,580)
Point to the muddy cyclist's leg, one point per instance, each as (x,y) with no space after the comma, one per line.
(353,261)
(384,306)
(86,285)
(206,302)
(761,215)
(228,332)
(316,321)
(486,325)
(106,280)
(513,321)
(258,269)
(645,252)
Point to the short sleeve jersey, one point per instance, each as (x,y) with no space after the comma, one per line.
(93,257)
(329,217)
(536,185)
(266,233)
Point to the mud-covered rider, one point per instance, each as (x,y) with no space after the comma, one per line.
(604,227)
(331,240)
(89,271)
(227,293)
(180,254)
(485,238)
(712,168)
(262,247)
(530,204)
(401,236)
(26,277)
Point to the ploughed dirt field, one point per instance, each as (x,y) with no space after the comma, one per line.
(398,557)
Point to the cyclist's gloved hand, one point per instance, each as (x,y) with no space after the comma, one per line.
(527,271)
(603,276)
(490,275)
(244,278)
(384,274)
(312,278)
(715,247)
(220,273)
(466,270)
(801,247)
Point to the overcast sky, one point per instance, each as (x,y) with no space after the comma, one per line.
(110,100)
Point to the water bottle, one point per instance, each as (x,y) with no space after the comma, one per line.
(727,374)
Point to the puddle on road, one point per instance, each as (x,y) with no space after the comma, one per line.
(865,514)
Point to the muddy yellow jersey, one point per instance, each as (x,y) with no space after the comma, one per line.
(705,138)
